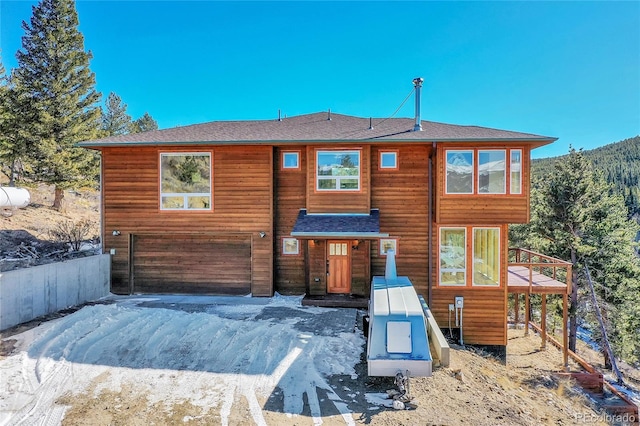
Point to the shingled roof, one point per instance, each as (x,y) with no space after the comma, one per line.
(315,127)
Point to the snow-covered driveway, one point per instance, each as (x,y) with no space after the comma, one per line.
(213,352)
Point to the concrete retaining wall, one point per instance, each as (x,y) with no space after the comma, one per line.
(28,293)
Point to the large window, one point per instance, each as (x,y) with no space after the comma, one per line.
(453,247)
(185,181)
(338,170)
(491,166)
(483,262)
(491,172)
(459,172)
(486,256)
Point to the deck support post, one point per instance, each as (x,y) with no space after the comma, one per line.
(543,322)
(527,310)
(565,331)
(516,307)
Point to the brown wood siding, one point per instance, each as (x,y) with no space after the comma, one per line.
(481,209)
(360,268)
(484,313)
(242,204)
(290,197)
(403,199)
(192,264)
(338,201)
(317,267)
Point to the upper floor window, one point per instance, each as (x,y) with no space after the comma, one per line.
(185,181)
(338,170)
(459,172)
(491,172)
(389,160)
(483,171)
(290,160)
(516,171)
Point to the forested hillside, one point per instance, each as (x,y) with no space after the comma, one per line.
(620,164)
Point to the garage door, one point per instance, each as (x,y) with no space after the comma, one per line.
(191,264)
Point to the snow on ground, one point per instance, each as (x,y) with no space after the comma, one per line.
(208,350)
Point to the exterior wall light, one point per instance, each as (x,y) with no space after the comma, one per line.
(262,234)
(115,233)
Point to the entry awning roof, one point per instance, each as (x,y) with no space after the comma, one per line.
(338,225)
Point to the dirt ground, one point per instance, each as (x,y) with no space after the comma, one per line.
(25,234)
(476,389)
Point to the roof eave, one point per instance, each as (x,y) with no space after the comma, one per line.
(319,235)
(535,142)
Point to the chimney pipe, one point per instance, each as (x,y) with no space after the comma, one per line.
(417,82)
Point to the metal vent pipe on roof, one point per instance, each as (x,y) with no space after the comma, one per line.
(417,82)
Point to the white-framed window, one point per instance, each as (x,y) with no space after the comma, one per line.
(492,169)
(459,172)
(185,181)
(389,160)
(290,160)
(338,170)
(453,256)
(387,244)
(486,257)
(483,171)
(481,257)
(515,184)
(290,246)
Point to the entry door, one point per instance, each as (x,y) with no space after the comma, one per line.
(339,273)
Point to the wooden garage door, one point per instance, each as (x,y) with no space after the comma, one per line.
(190,264)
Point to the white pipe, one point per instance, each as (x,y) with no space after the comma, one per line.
(11,197)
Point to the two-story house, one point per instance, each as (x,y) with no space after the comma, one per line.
(310,204)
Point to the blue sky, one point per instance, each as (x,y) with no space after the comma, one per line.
(565,69)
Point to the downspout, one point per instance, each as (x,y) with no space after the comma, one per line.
(430,224)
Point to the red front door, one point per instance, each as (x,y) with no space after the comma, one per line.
(339,273)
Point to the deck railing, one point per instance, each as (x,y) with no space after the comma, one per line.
(538,262)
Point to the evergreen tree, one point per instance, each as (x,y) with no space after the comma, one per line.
(13,119)
(54,72)
(115,120)
(575,216)
(144,124)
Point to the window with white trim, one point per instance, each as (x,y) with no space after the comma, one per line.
(389,160)
(338,170)
(480,256)
(459,172)
(185,181)
(491,172)
(453,248)
(515,184)
(483,171)
(290,160)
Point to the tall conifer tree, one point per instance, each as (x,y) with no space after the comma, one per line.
(144,124)
(575,216)
(115,120)
(54,71)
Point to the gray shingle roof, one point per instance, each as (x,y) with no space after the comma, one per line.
(338,225)
(315,128)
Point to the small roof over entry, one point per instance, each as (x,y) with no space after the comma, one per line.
(338,225)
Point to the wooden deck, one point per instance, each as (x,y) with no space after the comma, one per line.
(521,279)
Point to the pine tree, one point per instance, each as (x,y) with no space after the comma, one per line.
(576,216)
(54,71)
(13,139)
(115,120)
(144,124)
